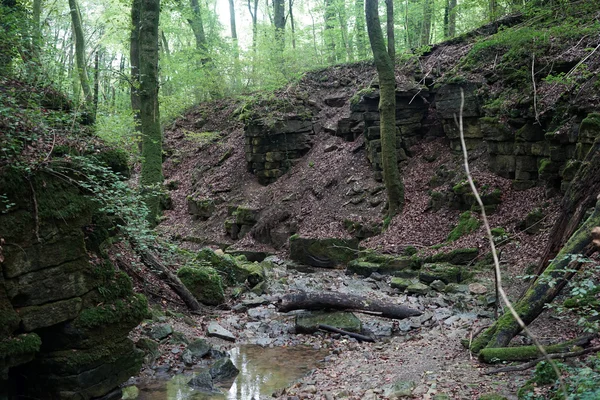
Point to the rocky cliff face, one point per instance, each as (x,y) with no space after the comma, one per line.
(64,311)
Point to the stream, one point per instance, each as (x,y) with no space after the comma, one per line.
(262,372)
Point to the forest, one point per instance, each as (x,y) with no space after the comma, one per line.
(301,199)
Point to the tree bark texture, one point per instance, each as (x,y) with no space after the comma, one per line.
(198,28)
(328,33)
(80,53)
(151,175)
(134,60)
(387,111)
(391,38)
(361,40)
(544,290)
(339,301)
(426,27)
(279,23)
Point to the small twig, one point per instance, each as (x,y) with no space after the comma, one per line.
(581,62)
(488,231)
(36,214)
(533,363)
(52,147)
(537,116)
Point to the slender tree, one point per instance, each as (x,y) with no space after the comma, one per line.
(328,33)
(80,56)
(197,26)
(279,23)
(151,174)
(391,40)
(253,8)
(426,26)
(134,60)
(361,41)
(292,24)
(387,110)
(450,19)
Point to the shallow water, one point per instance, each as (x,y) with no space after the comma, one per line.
(262,372)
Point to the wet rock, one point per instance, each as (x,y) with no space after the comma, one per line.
(161,331)
(223,369)
(309,322)
(203,382)
(216,330)
(218,354)
(199,348)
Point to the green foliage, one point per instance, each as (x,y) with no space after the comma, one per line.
(467,223)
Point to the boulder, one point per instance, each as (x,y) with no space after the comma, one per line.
(223,369)
(203,382)
(309,322)
(216,330)
(204,283)
(445,272)
(161,331)
(201,208)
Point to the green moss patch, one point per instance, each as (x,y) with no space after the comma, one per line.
(131,310)
(204,283)
(467,223)
(23,344)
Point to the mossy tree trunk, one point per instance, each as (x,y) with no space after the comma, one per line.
(361,40)
(387,110)
(544,290)
(329,35)
(151,175)
(134,57)
(80,55)
(279,23)
(391,38)
(578,198)
(450,19)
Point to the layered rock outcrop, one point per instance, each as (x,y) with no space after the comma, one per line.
(65,312)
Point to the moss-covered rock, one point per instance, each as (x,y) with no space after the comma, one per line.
(532,222)
(309,322)
(115,159)
(324,253)
(204,283)
(445,272)
(129,310)
(200,207)
(467,223)
(461,256)
(230,268)
(401,283)
(418,288)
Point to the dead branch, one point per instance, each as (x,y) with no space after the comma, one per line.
(356,336)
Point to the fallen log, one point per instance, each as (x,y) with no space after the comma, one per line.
(340,301)
(544,290)
(526,353)
(531,364)
(356,336)
(154,264)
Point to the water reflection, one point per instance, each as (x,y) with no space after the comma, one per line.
(262,372)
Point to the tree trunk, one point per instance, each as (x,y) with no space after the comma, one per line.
(450,19)
(292,24)
(328,34)
(80,55)
(493,4)
(279,23)
(391,37)
(96,84)
(154,264)
(546,287)
(341,14)
(361,41)
(198,28)
(134,60)
(387,111)
(426,27)
(340,301)
(151,174)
